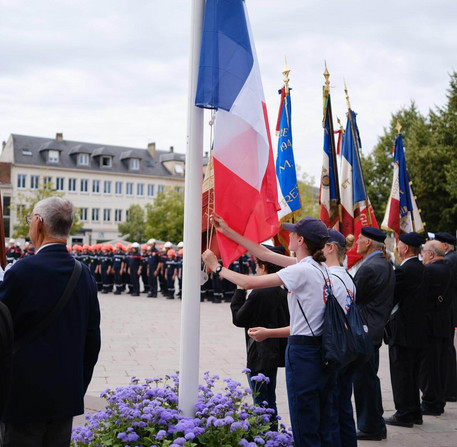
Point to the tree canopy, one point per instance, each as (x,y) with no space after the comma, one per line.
(431,157)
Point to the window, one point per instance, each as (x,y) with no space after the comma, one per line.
(178,189)
(150,190)
(47,183)
(127,215)
(129,189)
(72,184)
(140,189)
(34,181)
(96,186)
(95,214)
(106,215)
(60,183)
(21,179)
(84,185)
(53,156)
(83,159)
(118,188)
(107,187)
(134,164)
(179,169)
(27,152)
(118,215)
(83,214)
(160,188)
(105,161)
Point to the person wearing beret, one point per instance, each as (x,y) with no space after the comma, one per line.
(405,332)
(438,298)
(450,256)
(375,282)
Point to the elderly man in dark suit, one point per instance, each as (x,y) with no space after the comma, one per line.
(375,282)
(405,332)
(438,299)
(51,373)
(450,256)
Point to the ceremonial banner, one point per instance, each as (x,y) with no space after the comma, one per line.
(329,197)
(402,214)
(245,191)
(356,208)
(288,193)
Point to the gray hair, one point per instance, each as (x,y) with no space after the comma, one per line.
(377,245)
(57,215)
(437,248)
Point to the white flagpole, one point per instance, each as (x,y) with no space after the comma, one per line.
(190,307)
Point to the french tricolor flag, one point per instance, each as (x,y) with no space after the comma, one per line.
(245,191)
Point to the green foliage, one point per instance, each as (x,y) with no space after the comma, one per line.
(308,195)
(134,226)
(25,204)
(165,217)
(431,152)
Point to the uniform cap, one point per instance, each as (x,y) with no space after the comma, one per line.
(445,237)
(181,244)
(414,239)
(135,245)
(310,228)
(374,233)
(151,241)
(167,245)
(336,237)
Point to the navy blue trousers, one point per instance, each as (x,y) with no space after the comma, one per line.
(367,395)
(310,391)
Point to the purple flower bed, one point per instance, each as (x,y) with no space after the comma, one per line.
(146,415)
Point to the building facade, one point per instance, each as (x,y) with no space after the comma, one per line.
(102,181)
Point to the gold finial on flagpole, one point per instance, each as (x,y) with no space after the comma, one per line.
(398,127)
(341,126)
(347,95)
(327,81)
(286,72)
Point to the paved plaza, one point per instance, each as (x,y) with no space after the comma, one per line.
(141,336)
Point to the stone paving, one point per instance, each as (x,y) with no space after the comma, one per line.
(141,336)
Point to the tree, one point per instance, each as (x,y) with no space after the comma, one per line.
(134,226)
(165,217)
(25,204)
(308,195)
(431,157)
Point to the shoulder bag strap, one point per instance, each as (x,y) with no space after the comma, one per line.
(48,319)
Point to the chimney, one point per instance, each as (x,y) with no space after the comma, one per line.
(59,136)
(152,149)
(3,145)
(172,149)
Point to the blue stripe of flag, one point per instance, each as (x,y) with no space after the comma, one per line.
(226,57)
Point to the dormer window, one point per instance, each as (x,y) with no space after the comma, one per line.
(134,164)
(83,159)
(106,161)
(179,169)
(53,156)
(27,152)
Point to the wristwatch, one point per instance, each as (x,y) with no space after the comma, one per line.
(218,269)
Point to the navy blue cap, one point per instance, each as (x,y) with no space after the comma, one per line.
(277,249)
(445,237)
(336,237)
(414,239)
(310,228)
(373,233)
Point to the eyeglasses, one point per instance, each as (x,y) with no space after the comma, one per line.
(28,219)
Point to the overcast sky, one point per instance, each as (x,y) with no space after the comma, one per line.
(115,71)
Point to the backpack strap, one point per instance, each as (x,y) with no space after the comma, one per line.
(345,286)
(38,327)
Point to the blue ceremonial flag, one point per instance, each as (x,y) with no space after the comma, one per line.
(329,197)
(288,194)
(402,214)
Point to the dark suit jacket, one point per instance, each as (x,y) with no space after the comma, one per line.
(268,308)
(407,325)
(51,373)
(438,299)
(375,282)
(451,259)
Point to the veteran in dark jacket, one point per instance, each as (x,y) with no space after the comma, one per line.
(375,282)
(405,332)
(438,300)
(51,373)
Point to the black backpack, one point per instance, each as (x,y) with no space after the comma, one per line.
(338,347)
